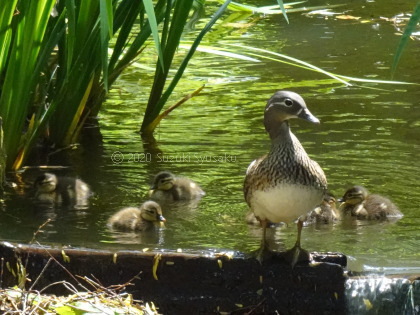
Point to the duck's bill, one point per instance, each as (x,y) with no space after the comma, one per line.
(306,115)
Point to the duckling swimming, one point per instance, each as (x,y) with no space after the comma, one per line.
(53,189)
(166,187)
(144,218)
(326,212)
(357,202)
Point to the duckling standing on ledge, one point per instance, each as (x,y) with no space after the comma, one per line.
(53,189)
(357,202)
(326,212)
(144,218)
(166,187)
(285,183)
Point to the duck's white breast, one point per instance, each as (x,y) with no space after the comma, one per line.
(285,203)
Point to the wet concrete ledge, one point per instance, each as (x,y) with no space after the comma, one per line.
(191,283)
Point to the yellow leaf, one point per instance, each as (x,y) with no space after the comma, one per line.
(347,17)
(368,304)
(76,124)
(65,257)
(156,260)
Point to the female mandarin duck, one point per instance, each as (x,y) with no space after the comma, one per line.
(148,216)
(357,202)
(285,183)
(166,187)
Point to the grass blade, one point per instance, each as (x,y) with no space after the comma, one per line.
(411,26)
(7,9)
(148,6)
(281,5)
(106,22)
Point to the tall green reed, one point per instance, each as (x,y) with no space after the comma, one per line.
(23,29)
(56,69)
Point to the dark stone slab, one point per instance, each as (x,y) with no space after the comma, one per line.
(190,283)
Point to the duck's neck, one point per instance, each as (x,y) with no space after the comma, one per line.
(280,133)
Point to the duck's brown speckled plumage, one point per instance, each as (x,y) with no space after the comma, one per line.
(285,183)
(287,163)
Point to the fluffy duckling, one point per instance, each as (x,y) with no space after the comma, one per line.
(357,202)
(166,187)
(251,219)
(326,212)
(144,218)
(53,189)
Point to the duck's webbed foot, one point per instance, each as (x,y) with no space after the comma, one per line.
(262,253)
(297,254)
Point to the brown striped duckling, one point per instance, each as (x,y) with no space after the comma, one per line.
(357,202)
(326,212)
(53,189)
(166,187)
(251,219)
(148,216)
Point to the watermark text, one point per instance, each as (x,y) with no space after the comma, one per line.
(118,158)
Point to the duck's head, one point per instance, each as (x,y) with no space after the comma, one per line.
(354,195)
(282,106)
(329,200)
(151,211)
(45,183)
(163,181)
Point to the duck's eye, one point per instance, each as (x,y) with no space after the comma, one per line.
(288,102)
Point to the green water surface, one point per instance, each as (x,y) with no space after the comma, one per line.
(369,135)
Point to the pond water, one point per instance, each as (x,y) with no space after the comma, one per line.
(369,135)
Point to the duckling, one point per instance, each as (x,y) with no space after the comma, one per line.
(167,187)
(52,189)
(326,212)
(251,219)
(144,218)
(359,203)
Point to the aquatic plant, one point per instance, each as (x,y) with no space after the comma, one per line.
(56,64)
(409,29)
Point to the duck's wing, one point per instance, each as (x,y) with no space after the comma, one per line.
(250,178)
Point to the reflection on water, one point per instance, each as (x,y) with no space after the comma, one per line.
(368,137)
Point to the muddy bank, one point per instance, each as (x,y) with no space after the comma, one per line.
(180,283)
